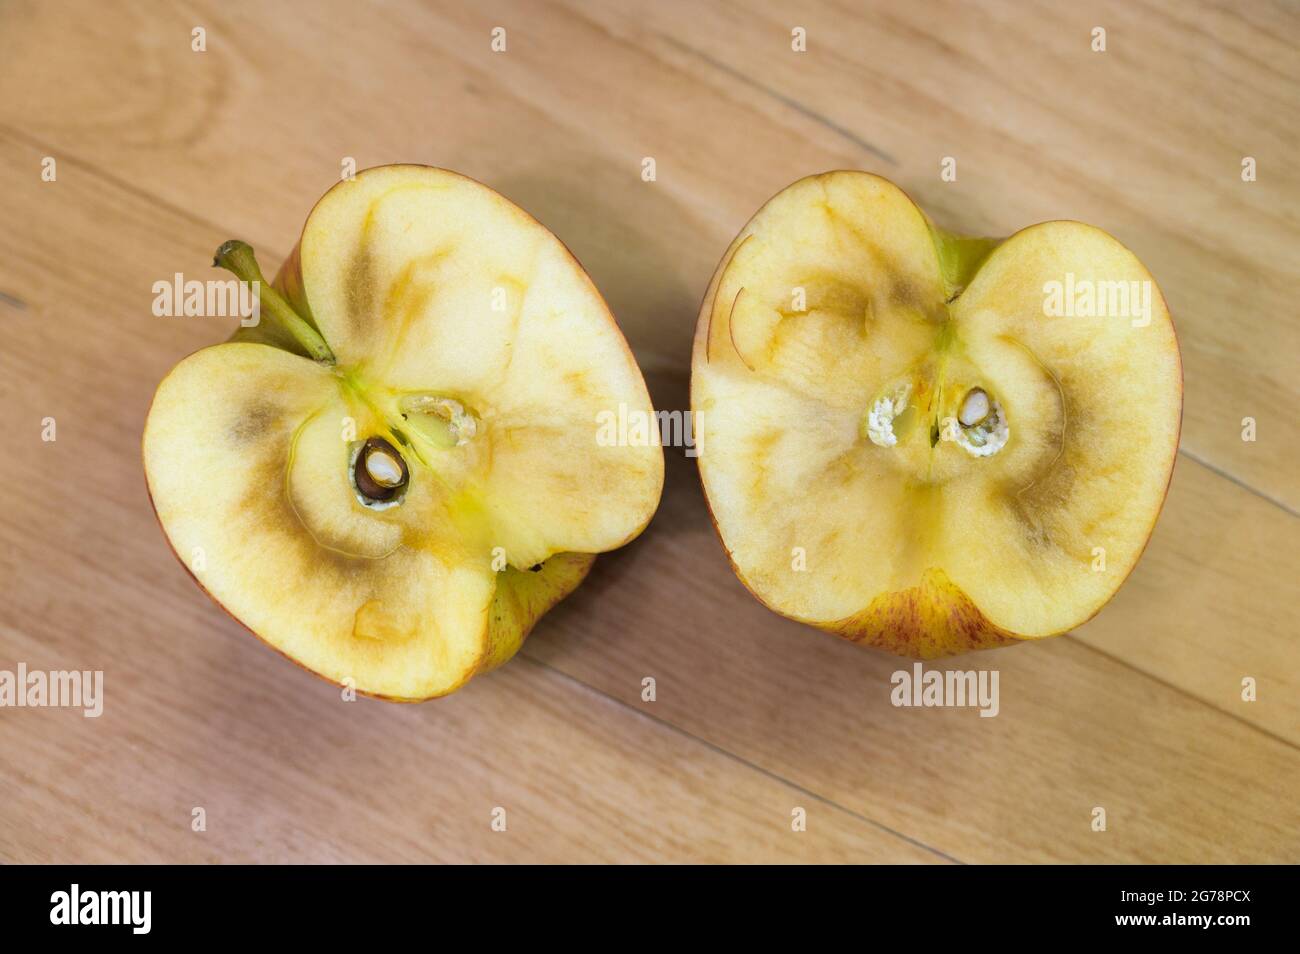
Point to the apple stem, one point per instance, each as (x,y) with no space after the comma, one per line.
(237,257)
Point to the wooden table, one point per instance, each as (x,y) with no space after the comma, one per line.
(162,152)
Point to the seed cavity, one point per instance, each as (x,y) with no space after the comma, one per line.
(442,420)
(378,473)
(984,430)
(881,417)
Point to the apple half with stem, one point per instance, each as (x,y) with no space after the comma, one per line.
(925,442)
(396,472)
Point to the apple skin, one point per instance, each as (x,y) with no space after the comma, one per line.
(925,622)
(936,618)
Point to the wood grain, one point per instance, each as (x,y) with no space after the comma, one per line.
(163,153)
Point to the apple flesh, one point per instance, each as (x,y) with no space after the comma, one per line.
(395,474)
(906,444)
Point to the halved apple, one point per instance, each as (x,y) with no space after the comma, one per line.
(924,442)
(395,474)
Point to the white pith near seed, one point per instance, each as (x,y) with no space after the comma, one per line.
(880,419)
(383,469)
(988,436)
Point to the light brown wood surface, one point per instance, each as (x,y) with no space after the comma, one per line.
(163,152)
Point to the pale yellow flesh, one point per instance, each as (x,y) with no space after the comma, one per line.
(924,549)
(423,283)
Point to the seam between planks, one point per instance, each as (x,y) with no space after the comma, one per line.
(1233,478)
(793,104)
(1082,641)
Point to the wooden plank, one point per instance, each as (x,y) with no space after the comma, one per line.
(285,771)
(1141,714)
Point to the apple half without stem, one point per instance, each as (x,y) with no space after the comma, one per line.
(923,442)
(397,472)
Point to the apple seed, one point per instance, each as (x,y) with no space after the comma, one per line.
(975,408)
(379,473)
(385,470)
